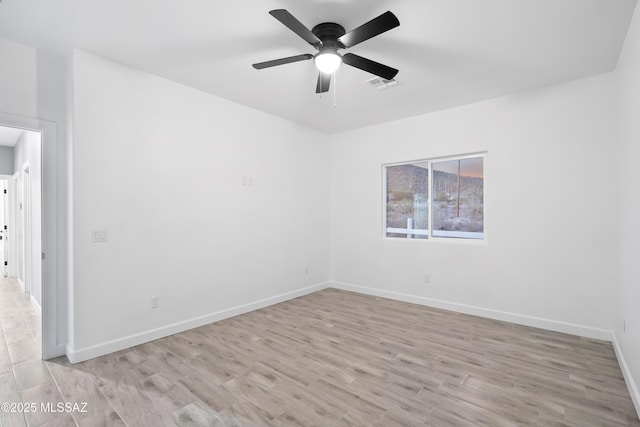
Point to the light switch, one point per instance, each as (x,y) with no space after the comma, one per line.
(99,236)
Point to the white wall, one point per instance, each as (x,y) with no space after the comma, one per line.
(28,151)
(160,166)
(628,301)
(550,209)
(6,160)
(18,77)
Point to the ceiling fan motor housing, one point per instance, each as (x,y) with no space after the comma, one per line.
(328,33)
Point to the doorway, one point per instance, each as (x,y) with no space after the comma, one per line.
(21,284)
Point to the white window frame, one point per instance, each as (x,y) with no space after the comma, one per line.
(429,232)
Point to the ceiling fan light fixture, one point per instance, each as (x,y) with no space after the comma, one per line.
(327,61)
(328,38)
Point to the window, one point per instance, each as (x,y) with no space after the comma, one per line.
(439,198)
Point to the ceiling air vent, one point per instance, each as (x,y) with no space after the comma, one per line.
(381,83)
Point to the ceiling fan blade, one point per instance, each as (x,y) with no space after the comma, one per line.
(296,26)
(376,26)
(282,61)
(324,81)
(369,66)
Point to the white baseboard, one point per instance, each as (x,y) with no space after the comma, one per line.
(82,354)
(628,378)
(521,319)
(21,285)
(35,303)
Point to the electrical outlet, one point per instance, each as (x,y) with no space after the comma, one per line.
(247,181)
(155,302)
(427,278)
(307,270)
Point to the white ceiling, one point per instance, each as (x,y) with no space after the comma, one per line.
(449,52)
(9,136)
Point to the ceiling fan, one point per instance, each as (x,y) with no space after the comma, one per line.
(327,38)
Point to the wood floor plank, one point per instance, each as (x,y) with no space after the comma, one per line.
(63,421)
(406,414)
(268,405)
(350,401)
(332,358)
(108,418)
(242,414)
(196,415)
(301,400)
(214,396)
(299,418)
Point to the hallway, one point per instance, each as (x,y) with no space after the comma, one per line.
(20,341)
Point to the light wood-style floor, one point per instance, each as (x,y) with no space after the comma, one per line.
(332,358)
